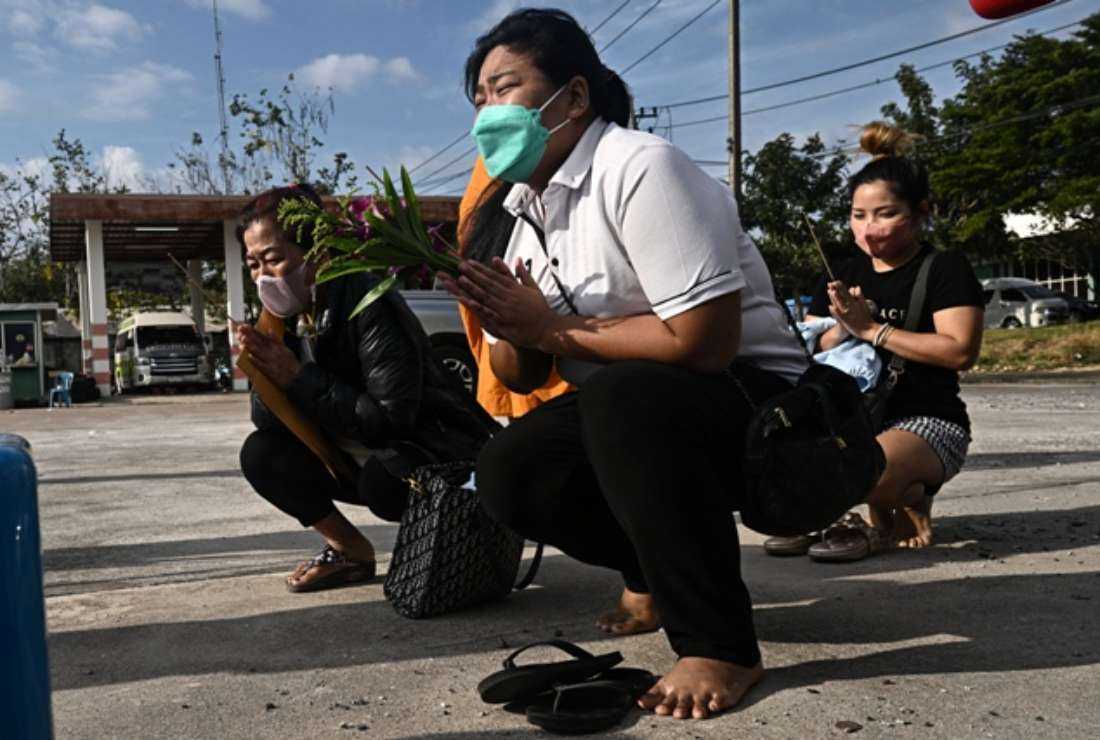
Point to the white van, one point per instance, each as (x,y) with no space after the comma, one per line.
(160,348)
(1011,303)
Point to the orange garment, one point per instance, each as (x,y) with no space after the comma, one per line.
(491,393)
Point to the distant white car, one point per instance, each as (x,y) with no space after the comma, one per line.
(1011,303)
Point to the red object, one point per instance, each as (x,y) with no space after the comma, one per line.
(1004,8)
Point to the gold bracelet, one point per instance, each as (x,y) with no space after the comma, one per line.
(878,335)
(886,335)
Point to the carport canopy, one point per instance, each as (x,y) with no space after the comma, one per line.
(92,228)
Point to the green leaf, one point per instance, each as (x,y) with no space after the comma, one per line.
(397,211)
(375,293)
(331,272)
(396,236)
(413,203)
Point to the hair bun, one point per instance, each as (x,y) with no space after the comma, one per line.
(880,139)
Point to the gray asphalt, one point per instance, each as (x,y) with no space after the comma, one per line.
(168,617)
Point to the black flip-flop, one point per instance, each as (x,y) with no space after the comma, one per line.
(582,708)
(518,683)
(636,681)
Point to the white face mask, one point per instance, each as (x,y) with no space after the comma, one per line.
(285,296)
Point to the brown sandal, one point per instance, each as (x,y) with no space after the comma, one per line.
(334,569)
(850,539)
(799,544)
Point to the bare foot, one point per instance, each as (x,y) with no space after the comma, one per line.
(699,687)
(635,615)
(914,524)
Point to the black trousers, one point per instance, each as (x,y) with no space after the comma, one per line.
(639,471)
(285,472)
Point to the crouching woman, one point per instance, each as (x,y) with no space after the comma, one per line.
(370,383)
(627,270)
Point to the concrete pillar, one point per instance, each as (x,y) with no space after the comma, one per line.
(97,304)
(234,292)
(85,318)
(198,301)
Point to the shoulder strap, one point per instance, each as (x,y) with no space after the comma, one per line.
(531,569)
(793,324)
(912,318)
(542,243)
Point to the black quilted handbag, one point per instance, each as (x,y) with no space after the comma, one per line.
(449,554)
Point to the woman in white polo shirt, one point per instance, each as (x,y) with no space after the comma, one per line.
(626,266)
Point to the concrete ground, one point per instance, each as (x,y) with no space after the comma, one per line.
(169,619)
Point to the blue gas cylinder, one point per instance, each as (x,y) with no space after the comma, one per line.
(24,671)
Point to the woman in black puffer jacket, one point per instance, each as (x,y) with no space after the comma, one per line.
(370,383)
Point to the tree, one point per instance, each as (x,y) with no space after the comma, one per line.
(279,143)
(26,273)
(1024,131)
(783,185)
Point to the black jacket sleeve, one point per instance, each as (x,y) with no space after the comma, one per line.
(262,417)
(391,363)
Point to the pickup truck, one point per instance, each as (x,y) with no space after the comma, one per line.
(438,314)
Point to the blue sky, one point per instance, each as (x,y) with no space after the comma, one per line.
(134,78)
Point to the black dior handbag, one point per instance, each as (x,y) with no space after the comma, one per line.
(450,555)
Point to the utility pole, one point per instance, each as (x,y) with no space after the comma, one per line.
(733,144)
(223,160)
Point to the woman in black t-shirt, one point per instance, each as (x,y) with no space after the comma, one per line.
(927,430)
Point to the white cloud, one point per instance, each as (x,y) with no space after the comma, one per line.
(96,27)
(350,72)
(35,167)
(9,97)
(24,22)
(343,72)
(128,95)
(400,69)
(39,58)
(253,10)
(122,165)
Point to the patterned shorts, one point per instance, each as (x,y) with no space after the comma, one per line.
(949,441)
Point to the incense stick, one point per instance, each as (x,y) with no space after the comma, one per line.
(820,251)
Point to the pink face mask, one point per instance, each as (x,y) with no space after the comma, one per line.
(285,296)
(885,240)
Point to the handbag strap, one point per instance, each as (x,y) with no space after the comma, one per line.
(541,233)
(531,569)
(912,318)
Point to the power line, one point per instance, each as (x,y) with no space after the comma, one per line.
(466,132)
(865,62)
(453,162)
(626,30)
(436,184)
(877,81)
(608,18)
(671,36)
(445,149)
(1056,110)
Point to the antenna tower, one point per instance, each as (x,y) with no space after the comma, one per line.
(223,160)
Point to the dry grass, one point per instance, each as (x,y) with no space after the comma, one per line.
(1066,347)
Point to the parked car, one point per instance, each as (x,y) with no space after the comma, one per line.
(1011,303)
(160,348)
(438,314)
(1079,308)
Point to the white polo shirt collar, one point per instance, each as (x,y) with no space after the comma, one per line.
(571,174)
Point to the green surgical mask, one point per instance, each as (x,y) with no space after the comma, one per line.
(511,139)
